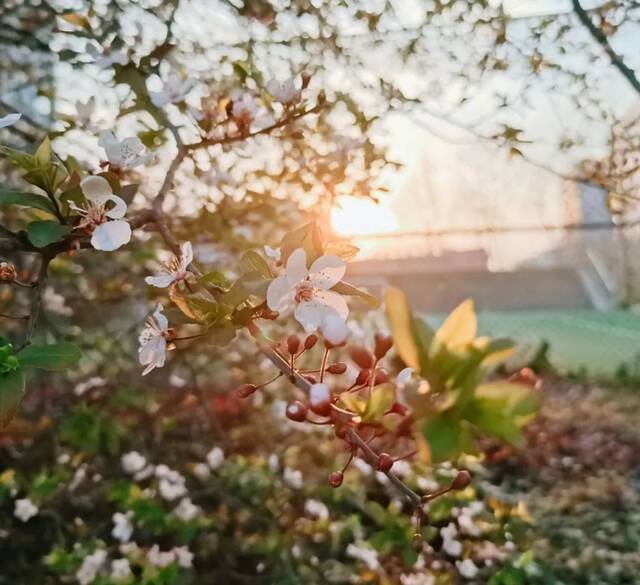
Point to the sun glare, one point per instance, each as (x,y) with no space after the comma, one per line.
(353,216)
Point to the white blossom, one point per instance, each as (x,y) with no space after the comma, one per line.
(90,567)
(365,553)
(126,153)
(184,557)
(153,341)
(122,527)
(9,120)
(176,270)
(133,462)
(334,329)
(105,57)
(293,478)
(467,569)
(307,289)
(284,92)
(215,458)
(244,109)
(186,510)
(201,471)
(25,509)
(120,570)
(317,509)
(417,579)
(404,376)
(171,484)
(450,545)
(107,228)
(174,89)
(159,558)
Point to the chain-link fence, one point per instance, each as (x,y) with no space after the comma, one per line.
(569,285)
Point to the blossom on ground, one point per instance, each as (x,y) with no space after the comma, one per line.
(184,557)
(215,458)
(160,558)
(307,289)
(186,510)
(122,527)
(365,553)
(293,478)
(133,462)
(120,570)
(417,579)
(105,57)
(126,153)
(153,341)
(171,484)
(25,509)
(9,120)
(107,228)
(90,566)
(467,569)
(201,471)
(284,92)
(450,545)
(174,90)
(317,509)
(176,270)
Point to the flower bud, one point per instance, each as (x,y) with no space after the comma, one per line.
(363,377)
(461,481)
(335,479)
(245,390)
(320,399)
(385,462)
(400,409)
(334,330)
(362,357)
(337,368)
(526,377)
(296,411)
(310,378)
(310,341)
(383,344)
(306,78)
(293,344)
(381,376)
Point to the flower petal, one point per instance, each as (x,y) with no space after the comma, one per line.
(297,266)
(119,210)
(336,302)
(327,271)
(279,294)
(153,353)
(106,138)
(132,145)
(186,252)
(9,120)
(161,320)
(111,235)
(161,281)
(96,188)
(310,314)
(404,376)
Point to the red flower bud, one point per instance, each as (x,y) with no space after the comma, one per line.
(310,341)
(320,399)
(296,411)
(385,462)
(245,390)
(381,376)
(310,378)
(335,479)
(398,408)
(362,357)
(337,368)
(363,377)
(527,377)
(461,481)
(383,344)
(293,344)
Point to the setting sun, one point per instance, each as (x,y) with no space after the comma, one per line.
(353,216)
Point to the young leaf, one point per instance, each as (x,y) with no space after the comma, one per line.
(43,153)
(446,438)
(45,232)
(9,197)
(308,237)
(344,288)
(460,328)
(251,261)
(11,393)
(53,357)
(400,320)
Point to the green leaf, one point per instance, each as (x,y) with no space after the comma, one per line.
(379,402)
(251,261)
(45,232)
(43,153)
(9,197)
(11,393)
(400,321)
(516,399)
(445,437)
(344,288)
(53,357)
(460,327)
(491,417)
(215,278)
(308,237)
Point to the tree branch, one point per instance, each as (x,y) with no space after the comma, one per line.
(603,41)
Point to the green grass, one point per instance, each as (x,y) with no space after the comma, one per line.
(594,342)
